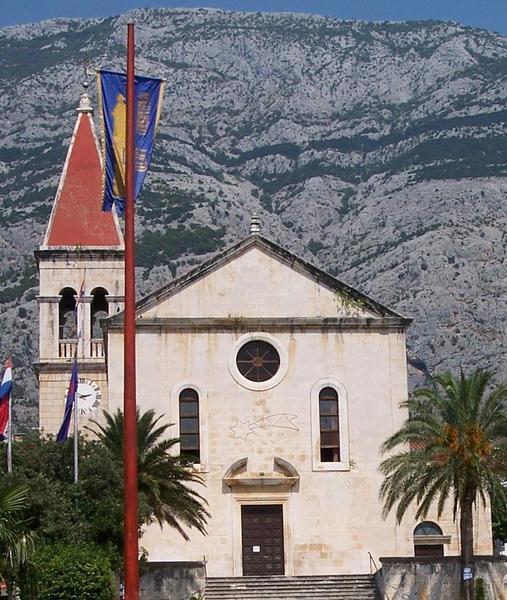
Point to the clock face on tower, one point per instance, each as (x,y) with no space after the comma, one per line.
(88,396)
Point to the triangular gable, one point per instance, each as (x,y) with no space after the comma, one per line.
(257,278)
(77,219)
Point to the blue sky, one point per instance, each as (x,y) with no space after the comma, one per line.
(489,14)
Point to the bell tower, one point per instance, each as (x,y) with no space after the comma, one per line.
(81,278)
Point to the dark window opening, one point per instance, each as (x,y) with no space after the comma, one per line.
(428,550)
(67,322)
(99,310)
(329,425)
(189,425)
(422,549)
(258,361)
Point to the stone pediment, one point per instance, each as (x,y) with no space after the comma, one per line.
(282,474)
(257,279)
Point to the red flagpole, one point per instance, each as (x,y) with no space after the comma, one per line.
(130,550)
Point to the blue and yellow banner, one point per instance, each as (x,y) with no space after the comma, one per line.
(112,89)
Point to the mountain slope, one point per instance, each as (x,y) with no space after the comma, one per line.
(377,151)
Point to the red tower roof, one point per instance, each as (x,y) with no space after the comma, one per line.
(77,218)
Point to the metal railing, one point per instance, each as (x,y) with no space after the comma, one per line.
(381,582)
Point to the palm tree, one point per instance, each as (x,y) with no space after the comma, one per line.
(164,480)
(16,544)
(457,432)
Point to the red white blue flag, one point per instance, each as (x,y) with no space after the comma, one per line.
(5,394)
(69,405)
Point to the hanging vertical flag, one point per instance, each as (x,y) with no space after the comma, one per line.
(112,91)
(5,393)
(69,404)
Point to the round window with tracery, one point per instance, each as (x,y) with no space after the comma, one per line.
(258,361)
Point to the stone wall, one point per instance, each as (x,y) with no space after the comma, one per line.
(173,581)
(435,579)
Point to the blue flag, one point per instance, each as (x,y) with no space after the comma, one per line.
(112,90)
(69,405)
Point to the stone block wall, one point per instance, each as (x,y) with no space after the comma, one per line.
(173,581)
(436,579)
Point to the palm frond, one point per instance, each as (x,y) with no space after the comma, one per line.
(457,432)
(165,483)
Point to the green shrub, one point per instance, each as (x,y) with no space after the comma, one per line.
(80,572)
(480,592)
(314,246)
(156,247)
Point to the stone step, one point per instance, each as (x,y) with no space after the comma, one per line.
(308,595)
(288,580)
(347,588)
(279,587)
(290,595)
(273,578)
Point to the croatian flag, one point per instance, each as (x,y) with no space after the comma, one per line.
(69,405)
(5,393)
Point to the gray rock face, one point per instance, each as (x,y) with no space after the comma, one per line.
(376,151)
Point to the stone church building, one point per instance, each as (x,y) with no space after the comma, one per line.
(281,382)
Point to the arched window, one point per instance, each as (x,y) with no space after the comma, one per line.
(329,425)
(189,425)
(428,540)
(67,324)
(427,528)
(99,310)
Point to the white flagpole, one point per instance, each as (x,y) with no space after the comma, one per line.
(76,438)
(9,437)
(80,331)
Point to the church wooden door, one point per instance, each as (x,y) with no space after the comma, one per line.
(262,531)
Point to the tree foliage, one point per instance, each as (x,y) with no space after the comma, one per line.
(457,438)
(73,571)
(16,541)
(165,483)
(91,511)
(60,511)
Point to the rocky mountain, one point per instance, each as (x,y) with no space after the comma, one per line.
(377,151)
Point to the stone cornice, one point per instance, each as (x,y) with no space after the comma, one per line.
(51,299)
(431,540)
(267,324)
(68,253)
(64,364)
(407,560)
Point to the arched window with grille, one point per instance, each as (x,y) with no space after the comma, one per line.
(429,540)
(99,310)
(329,425)
(190,447)
(67,322)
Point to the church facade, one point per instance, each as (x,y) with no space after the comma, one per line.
(280,381)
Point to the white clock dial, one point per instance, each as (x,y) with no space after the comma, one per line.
(88,396)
